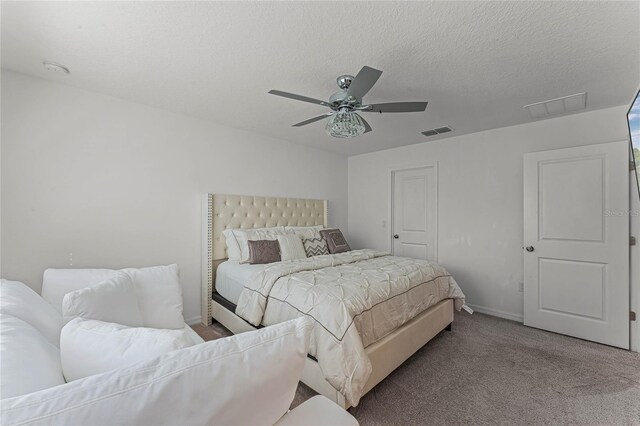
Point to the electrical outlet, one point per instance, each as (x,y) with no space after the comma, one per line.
(521,287)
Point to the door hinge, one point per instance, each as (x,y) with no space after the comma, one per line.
(632,166)
(632,241)
(632,316)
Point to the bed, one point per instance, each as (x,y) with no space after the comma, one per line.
(372,310)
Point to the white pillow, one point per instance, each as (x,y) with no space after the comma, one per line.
(89,347)
(159,295)
(250,378)
(305,231)
(291,247)
(244,235)
(233,249)
(58,282)
(29,362)
(18,300)
(114,300)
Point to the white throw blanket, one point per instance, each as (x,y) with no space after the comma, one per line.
(355,298)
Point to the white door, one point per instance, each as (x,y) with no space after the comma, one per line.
(414,210)
(576,238)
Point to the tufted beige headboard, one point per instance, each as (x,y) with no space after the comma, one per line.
(222,212)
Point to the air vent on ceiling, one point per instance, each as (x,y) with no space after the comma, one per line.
(557,106)
(437,131)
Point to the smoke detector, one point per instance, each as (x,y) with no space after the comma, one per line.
(557,106)
(52,66)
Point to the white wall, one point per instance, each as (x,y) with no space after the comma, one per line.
(480,211)
(119,184)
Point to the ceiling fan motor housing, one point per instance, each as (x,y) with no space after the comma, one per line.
(341,98)
(344,81)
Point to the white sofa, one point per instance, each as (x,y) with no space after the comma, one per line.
(245,379)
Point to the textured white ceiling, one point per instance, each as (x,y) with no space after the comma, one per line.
(477,63)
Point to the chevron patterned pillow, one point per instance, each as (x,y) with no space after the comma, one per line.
(315,246)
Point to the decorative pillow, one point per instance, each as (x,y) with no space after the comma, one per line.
(263,251)
(261,366)
(89,347)
(159,295)
(315,246)
(255,234)
(291,247)
(113,301)
(335,240)
(305,231)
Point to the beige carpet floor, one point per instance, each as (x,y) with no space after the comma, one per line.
(492,371)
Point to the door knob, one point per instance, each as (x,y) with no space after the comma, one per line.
(530,249)
(396,236)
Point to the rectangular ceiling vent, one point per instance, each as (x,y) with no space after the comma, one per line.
(557,106)
(437,131)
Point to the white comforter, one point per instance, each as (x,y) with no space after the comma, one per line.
(355,298)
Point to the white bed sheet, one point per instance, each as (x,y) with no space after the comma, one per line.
(231,276)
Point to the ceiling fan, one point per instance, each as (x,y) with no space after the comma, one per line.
(346,103)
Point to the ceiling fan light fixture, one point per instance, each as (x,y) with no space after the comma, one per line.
(345,124)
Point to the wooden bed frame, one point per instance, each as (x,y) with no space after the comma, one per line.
(222,212)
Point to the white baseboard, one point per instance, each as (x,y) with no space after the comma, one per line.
(497,313)
(194,320)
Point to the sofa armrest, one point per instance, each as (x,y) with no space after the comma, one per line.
(318,411)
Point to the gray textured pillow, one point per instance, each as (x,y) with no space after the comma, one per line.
(315,246)
(335,240)
(263,251)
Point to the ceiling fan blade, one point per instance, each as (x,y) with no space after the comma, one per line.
(299,97)
(363,82)
(367,127)
(312,120)
(397,107)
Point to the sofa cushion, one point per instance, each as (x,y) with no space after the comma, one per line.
(113,300)
(58,282)
(20,301)
(159,295)
(89,347)
(29,361)
(250,378)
